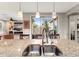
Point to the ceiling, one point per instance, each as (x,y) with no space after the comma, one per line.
(61,7)
(11,8)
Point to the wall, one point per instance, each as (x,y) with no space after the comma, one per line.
(63,26)
(74,9)
(62,23)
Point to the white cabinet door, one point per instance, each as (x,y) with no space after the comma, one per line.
(72,26)
(73,30)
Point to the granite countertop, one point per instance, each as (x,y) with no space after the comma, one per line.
(14,48)
(70,48)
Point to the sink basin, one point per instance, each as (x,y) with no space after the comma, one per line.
(32,50)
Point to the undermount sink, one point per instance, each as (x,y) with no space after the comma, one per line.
(32,50)
(41,50)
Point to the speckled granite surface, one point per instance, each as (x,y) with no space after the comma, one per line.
(14,48)
(68,47)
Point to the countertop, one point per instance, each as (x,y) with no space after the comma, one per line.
(15,48)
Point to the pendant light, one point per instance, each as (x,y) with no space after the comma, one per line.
(20,14)
(37,12)
(54,16)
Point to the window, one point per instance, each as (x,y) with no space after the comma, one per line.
(38,24)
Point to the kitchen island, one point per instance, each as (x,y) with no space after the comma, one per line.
(15,48)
